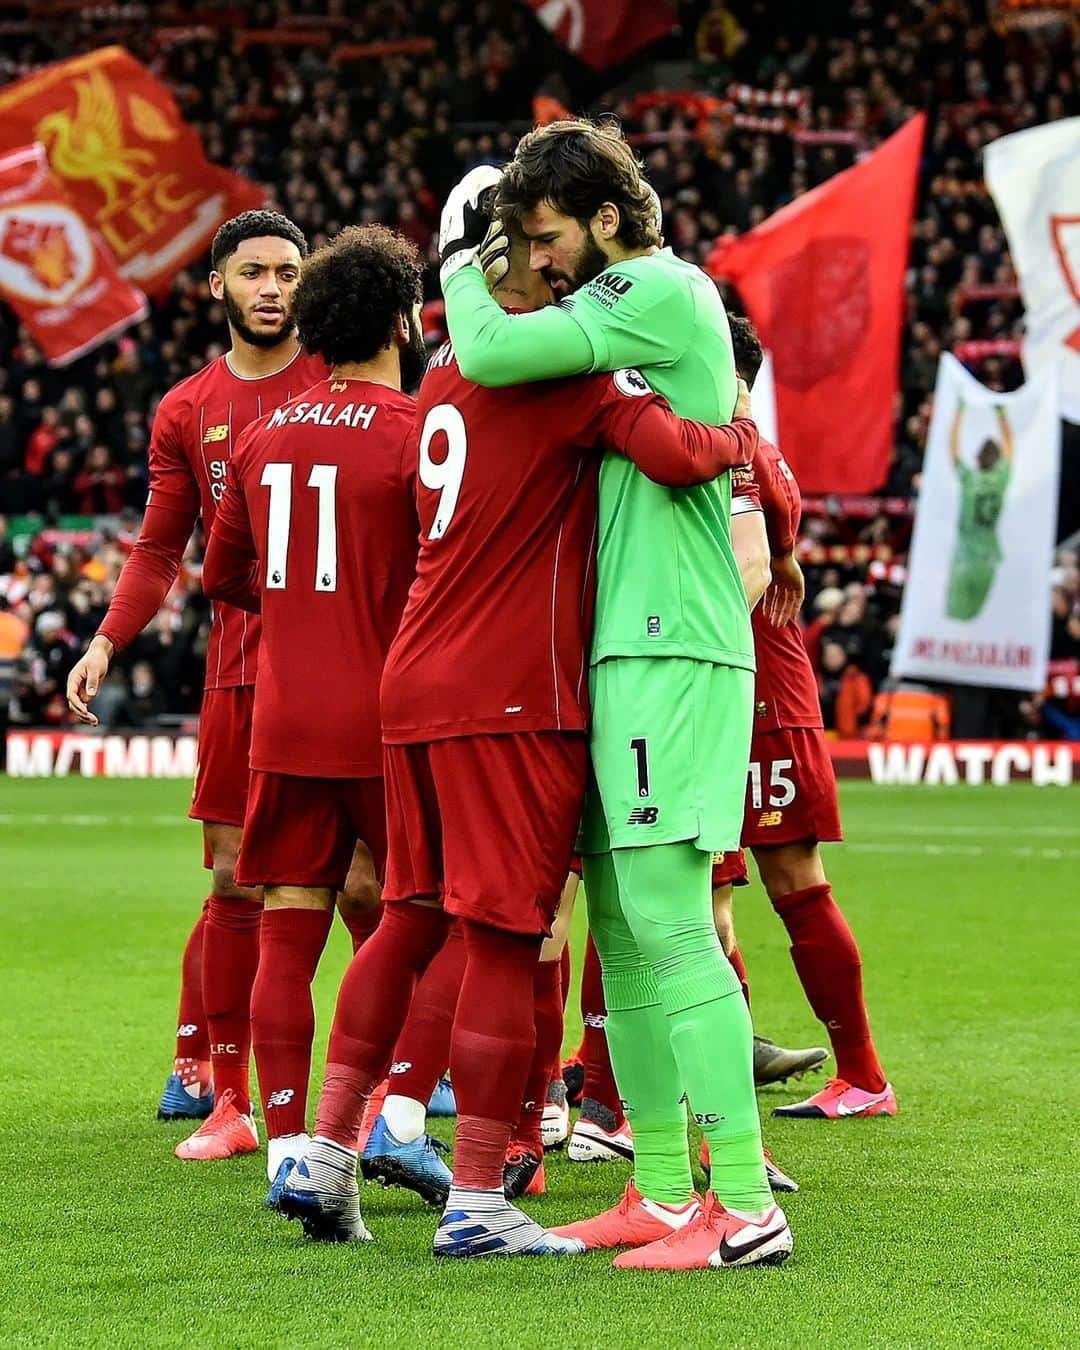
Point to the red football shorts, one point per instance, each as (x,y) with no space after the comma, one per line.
(221,771)
(729,869)
(486,822)
(790,789)
(303,831)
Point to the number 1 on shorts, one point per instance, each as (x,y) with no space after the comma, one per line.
(640,747)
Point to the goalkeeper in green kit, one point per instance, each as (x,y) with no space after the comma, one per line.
(977,551)
(671,678)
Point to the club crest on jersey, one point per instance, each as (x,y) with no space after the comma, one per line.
(213,434)
(632,383)
(761,708)
(339,386)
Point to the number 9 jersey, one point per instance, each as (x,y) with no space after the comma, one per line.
(495,634)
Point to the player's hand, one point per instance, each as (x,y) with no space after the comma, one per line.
(742,399)
(86,676)
(786,591)
(494,255)
(999,408)
(465,219)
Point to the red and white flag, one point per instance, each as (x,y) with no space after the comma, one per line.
(133,168)
(1034,176)
(55,273)
(823,280)
(604,32)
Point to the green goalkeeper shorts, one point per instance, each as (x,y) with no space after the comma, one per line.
(670,745)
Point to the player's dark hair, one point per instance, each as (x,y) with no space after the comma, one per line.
(254,225)
(577,166)
(352,291)
(746,347)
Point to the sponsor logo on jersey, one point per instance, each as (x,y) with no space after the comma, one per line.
(218,433)
(769,818)
(282,1097)
(608,289)
(188,1029)
(598,1021)
(652,625)
(631,382)
(643,815)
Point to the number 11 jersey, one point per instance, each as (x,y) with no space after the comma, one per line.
(321,493)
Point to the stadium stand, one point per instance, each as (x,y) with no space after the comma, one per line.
(293,95)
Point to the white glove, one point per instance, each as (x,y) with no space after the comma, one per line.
(494,255)
(465,219)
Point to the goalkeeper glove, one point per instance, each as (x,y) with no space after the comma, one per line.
(466,217)
(494,255)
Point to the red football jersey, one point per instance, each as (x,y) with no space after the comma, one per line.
(322,493)
(195,430)
(785,689)
(496,630)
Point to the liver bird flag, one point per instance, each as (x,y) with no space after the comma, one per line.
(823,281)
(604,32)
(55,273)
(132,167)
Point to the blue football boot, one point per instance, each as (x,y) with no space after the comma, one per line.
(443,1102)
(177,1103)
(416,1166)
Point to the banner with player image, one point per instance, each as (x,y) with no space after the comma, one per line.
(976,606)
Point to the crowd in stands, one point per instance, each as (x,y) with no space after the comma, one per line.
(337,142)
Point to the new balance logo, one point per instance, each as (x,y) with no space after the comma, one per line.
(597,1021)
(188,1029)
(401,1066)
(643,815)
(218,433)
(282,1097)
(768,818)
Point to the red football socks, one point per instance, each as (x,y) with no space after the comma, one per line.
(282,1014)
(423,1048)
(362,925)
(230,959)
(828,963)
(599,1082)
(739,967)
(491,1049)
(372,1005)
(192,1038)
(548,1020)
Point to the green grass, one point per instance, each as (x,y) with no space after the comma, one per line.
(950,1225)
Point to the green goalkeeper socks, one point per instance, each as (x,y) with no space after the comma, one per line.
(665,905)
(640,1048)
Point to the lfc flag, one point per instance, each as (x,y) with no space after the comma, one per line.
(55,273)
(604,32)
(823,280)
(1034,178)
(134,170)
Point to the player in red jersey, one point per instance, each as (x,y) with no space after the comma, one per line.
(484,714)
(318,533)
(791,803)
(256,259)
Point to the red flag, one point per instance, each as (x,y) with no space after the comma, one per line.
(56,274)
(604,32)
(132,167)
(823,280)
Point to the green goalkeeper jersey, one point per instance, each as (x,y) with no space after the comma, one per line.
(667,580)
(982,495)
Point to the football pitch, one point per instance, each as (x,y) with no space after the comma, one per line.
(952,1225)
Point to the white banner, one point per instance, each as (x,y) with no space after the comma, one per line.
(1034,177)
(763,402)
(976,606)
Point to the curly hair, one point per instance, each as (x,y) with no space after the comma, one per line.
(254,225)
(577,165)
(746,347)
(352,291)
